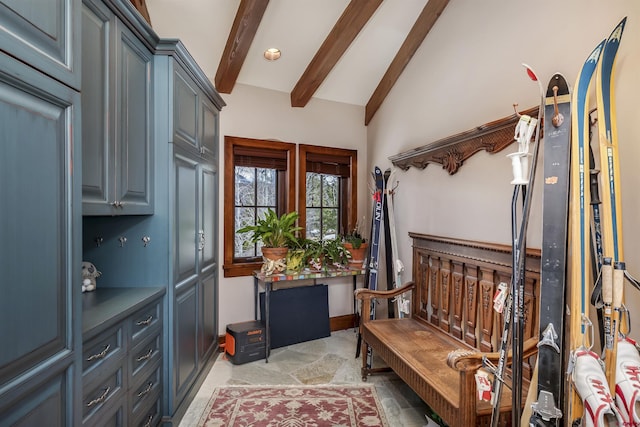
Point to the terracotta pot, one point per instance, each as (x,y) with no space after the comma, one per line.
(275,260)
(357,255)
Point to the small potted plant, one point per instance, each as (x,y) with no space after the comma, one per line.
(335,253)
(356,245)
(314,253)
(277,234)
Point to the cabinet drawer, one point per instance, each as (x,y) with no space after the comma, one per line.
(150,416)
(143,322)
(102,351)
(145,354)
(146,393)
(102,396)
(116,417)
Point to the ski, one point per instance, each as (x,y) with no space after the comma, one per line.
(557,141)
(371,276)
(388,253)
(402,303)
(611,199)
(579,224)
(525,129)
(374,245)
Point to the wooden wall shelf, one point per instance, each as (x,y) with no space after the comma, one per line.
(452,151)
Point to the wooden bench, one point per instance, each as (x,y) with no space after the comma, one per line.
(439,348)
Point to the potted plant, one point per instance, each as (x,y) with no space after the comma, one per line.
(296,257)
(313,253)
(277,234)
(335,253)
(356,245)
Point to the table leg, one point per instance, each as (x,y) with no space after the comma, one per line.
(267,327)
(256,297)
(355,303)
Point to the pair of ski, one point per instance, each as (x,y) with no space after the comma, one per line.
(605,241)
(382,215)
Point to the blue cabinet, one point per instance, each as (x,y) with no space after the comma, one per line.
(44,35)
(40,257)
(117,96)
(183,251)
(190,137)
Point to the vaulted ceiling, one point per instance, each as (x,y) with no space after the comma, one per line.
(350,51)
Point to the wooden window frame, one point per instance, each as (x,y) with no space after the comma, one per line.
(349,197)
(231,267)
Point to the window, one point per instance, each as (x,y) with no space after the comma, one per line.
(328,199)
(259,175)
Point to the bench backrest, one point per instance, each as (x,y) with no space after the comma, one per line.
(455,285)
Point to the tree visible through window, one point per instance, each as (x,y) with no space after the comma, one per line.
(323,206)
(256,192)
(258,175)
(327,202)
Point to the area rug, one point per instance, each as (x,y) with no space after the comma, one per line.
(294,406)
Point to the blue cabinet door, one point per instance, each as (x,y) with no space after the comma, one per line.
(185,110)
(42,34)
(187,235)
(208,218)
(117,119)
(209,129)
(40,254)
(208,316)
(133,150)
(98,81)
(185,358)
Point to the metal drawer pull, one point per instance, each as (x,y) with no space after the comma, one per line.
(144,322)
(149,420)
(99,399)
(146,356)
(100,355)
(146,390)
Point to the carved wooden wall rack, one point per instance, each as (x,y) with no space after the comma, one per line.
(452,151)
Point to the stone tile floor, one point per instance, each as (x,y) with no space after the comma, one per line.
(328,360)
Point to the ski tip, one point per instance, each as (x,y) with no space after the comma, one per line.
(530,73)
(616,34)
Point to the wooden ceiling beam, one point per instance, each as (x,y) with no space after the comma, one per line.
(353,19)
(428,17)
(243,31)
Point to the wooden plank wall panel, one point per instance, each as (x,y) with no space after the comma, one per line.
(471,304)
(445,293)
(458,298)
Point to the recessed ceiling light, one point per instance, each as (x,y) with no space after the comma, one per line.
(272,54)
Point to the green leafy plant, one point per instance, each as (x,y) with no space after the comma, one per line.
(335,253)
(354,237)
(274,231)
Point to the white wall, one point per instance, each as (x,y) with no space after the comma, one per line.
(259,113)
(468,72)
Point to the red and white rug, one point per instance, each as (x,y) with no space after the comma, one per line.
(294,406)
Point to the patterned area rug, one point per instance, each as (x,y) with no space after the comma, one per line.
(294,406)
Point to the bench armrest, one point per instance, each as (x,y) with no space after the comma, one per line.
(368,294)
(470,360)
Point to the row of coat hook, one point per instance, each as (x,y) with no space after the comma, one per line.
(145,241)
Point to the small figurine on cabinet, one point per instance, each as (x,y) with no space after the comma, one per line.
(89,275)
